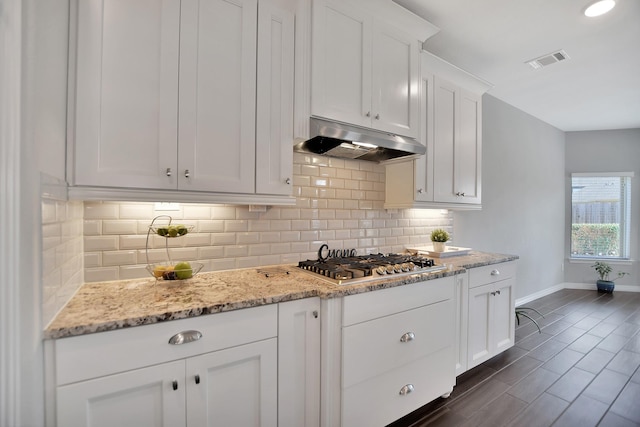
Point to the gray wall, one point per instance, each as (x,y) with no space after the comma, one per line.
(604,151)
(523,202)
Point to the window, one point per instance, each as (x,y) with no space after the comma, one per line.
(600,210)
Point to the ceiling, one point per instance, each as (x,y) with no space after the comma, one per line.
(597,88)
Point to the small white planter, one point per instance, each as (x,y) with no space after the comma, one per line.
(439,246)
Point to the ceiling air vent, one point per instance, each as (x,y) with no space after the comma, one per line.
(548,59)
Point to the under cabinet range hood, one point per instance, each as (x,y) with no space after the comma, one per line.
(352,142)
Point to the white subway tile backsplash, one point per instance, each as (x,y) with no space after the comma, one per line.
(211,226)
(261,249)
(223,239)
(196,239)
(338,202)
(212,252)
(133,242)
(119,227)
(115,258)
(101,210)
(92,259)
(236,225)
(101,274)
(133,272)
(92,227)
(223,212)
(196,211)
(270,237)
(136,211)
(248,238)
(290,236)
(100,243)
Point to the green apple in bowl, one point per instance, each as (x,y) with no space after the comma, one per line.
(183,270)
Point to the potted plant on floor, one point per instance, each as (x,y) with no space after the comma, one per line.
(439,238)
(604,283)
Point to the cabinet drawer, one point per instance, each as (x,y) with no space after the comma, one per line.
(491,273)
(374,347)
(94,355)
(378,402)
(370,305)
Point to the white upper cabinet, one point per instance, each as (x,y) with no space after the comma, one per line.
(365,71)
(457,139)
(449,175)
(191,95)
(126,109)
(216,143)
(274,126)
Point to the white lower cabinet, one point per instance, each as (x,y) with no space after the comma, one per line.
(142,397)
(461,322)
(397,350)
(491,321)
(299,363)
(135,377)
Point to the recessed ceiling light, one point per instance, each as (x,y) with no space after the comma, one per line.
(599,8)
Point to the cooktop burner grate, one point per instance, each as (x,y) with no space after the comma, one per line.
(367,267)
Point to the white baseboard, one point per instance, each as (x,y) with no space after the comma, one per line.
(539,294)
(570,285)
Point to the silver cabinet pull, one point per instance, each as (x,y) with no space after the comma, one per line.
(409,336)
(174,384)
(315,314)
(495,273)
(493,294)
(420,191)
(168,172)
(186,173)
(377,116)
(368,114)
(287,181)
(498,292)
(185,337)
(460,194)
(406,389)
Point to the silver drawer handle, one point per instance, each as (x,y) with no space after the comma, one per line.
(406,389)
(495,273)
(185,337)
(409,336)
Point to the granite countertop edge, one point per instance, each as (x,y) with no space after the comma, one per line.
(108,306)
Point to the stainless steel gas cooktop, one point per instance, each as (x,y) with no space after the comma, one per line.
(354,269)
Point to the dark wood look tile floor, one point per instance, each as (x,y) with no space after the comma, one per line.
(582,370)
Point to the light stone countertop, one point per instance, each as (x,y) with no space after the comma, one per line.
(104,306)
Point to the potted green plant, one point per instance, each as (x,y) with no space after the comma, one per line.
(439,238)
(604,283)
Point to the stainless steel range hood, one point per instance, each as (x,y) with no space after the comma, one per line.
(352,142)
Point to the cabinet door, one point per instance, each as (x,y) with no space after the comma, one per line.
(424,165)
(480,326)
(140,398)
(126,93)
(468,149)
(461,322)
(234,387)
(395,103)
(217,95)
(341,63)
(274,108)
(503,316)
(446,99)
(299,363)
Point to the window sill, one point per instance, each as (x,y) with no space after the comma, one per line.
(612,261)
